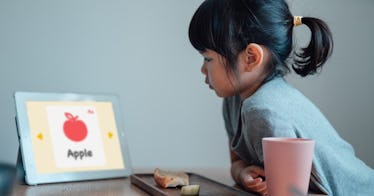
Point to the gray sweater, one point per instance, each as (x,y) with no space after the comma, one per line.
(277,109)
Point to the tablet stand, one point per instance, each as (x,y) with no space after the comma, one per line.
(20,170)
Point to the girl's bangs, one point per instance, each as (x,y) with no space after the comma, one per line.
(200,30)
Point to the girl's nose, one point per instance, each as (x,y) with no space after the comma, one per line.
(203,70)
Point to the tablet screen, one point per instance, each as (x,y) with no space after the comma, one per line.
(73,136)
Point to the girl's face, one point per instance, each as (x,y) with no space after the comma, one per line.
(249,74)
(222,82)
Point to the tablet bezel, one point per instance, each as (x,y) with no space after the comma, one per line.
(32,177)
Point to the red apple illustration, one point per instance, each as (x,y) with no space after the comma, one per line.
(74,128)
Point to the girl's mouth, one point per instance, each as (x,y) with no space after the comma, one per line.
(207,82)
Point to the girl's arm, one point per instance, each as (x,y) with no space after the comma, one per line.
(247,176)
(237,165)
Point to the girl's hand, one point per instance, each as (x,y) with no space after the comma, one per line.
(251,180)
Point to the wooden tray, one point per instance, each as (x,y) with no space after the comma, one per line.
(207,186)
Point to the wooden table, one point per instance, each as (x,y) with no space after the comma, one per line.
(112,187)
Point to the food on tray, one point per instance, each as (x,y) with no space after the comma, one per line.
(167,179)
(190,190)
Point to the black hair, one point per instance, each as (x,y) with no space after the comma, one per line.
(228,26)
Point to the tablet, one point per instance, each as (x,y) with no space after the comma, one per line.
(71,137)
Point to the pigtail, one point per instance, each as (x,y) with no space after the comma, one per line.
(311,58)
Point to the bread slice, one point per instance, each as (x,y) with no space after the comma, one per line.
(167,179)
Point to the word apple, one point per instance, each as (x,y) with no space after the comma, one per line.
(74,129)
(79,154)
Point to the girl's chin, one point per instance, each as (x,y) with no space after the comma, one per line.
(220,94)
(224,95)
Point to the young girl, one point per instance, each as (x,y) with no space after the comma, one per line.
(246,45)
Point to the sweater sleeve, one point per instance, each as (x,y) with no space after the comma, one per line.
(227,119)
(260,123)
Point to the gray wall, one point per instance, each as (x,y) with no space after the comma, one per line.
(140,50)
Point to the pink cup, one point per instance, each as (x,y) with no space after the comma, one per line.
(288,163)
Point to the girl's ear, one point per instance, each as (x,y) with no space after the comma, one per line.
(253,56)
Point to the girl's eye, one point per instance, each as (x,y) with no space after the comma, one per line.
(207,59)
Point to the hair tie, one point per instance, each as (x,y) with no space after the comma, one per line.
(297,20)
